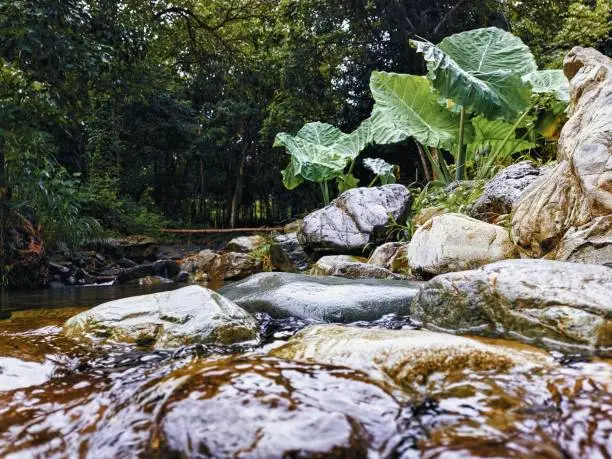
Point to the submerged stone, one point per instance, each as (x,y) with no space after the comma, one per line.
(555,304)
(406,357)
(327,299)
(188,315)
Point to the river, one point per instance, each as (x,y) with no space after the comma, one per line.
(65,398)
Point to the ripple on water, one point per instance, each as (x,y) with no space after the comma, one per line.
(121,401)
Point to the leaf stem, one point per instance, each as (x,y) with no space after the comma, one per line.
(325,191)
(460,174)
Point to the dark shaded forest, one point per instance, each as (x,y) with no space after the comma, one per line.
(126,116)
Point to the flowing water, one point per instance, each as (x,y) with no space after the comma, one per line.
(63,398)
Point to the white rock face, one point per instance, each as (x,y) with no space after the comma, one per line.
(455,242)
(188,315)
(590,243)
(356,218)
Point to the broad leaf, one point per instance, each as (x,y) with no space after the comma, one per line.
(319,152)
(549,82)
(497,135)
(346,182)
(481,70)
(406,107)
(381,169)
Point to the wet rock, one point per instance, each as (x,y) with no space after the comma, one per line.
(234,265)
(406,357)
(126,263)
(350,267)
(246,244)
(590,243)
(327,299)
(191,314)
(241,407)
(183,276)
(287,254)
(455,242)
(579,187)
(164,268)
(504,191)
(394,257)
(383,254)
(201,262)
(355,219)
(552,303)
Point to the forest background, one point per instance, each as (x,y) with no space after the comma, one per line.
(126,116)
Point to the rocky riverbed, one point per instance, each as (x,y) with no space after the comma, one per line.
(470,340)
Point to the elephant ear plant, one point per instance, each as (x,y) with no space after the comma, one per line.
(482,101)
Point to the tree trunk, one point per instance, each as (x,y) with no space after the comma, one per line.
(238,190)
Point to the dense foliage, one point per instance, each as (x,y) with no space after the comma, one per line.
(137,114)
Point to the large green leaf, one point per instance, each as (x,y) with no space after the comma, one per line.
(549,82)
(406,107)
(381,169)
(497,136)
(481,70)
(319,152)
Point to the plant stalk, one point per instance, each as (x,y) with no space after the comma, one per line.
(493,157)
(325,192)
(460,174)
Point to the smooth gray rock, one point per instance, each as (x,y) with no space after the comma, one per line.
(350,267)
(328,299)
(287,254)
(188,315)
(355,219)
(551,303)
(504,190)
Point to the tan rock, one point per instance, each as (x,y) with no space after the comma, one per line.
(590,243)
(579,188)
(456,242)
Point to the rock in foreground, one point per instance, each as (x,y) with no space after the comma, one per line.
(353,220)
(326,299)
(407,357)
(287,255)
(455,242)
(188,315)
(552,303)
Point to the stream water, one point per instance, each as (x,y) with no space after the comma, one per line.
(64,398)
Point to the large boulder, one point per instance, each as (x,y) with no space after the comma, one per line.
(407,357)
(579,187)
(137,247)
(188,315)
(328,299)
(356,218)
(350,267)
(287,255)
(456,242)
(590,243)
(504,190)
(246,244)
(552,303)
